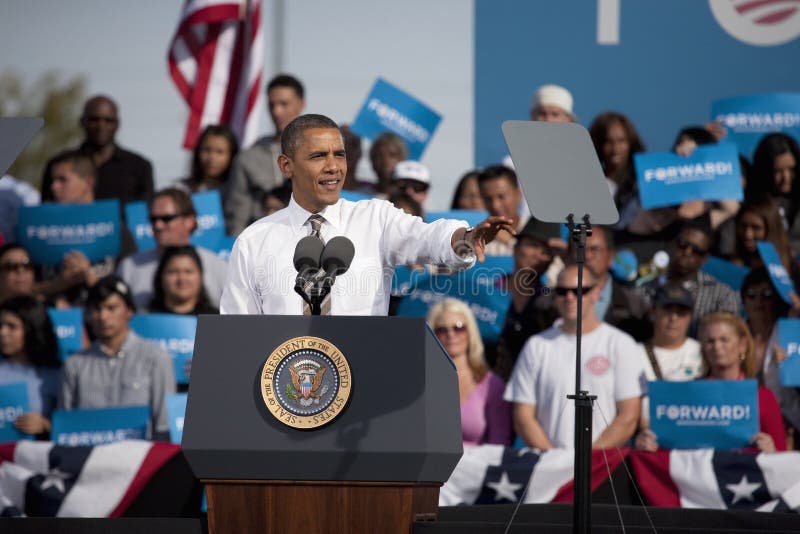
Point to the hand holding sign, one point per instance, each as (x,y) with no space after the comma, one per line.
(709,172)
(77,269)
(748,118)
(788,353)
(764,442)
(777,273)
(32,423)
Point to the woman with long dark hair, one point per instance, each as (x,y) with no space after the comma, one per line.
(467,195)
(616,140)
(759,219)
(776,164)
(30,355)
(178,283)
(212,158)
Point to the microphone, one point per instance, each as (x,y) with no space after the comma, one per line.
(335,259)
(307,259)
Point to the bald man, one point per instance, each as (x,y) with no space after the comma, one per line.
(545,373)
(121,174)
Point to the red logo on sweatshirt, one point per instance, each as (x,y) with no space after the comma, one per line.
(598,365)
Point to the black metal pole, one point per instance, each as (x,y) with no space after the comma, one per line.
(582,490)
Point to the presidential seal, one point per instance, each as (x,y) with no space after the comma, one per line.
(306,382)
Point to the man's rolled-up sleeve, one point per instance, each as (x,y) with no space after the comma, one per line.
(410,240)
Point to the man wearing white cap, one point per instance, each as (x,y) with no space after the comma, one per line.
(552,103)
(414,179)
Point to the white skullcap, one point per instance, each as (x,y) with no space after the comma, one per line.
(553,95)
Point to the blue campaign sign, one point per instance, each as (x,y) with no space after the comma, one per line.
(789,340)
(725,271)
(98,426)
(719,414)
(405,279)
(388,108)
(68,324)
(176,410)
(492,268)
(777,272)
(748,118)
(224,247)
(139,225)
(711,172)
(473,217)
(210,222)
(607,37)
(172,332)
(478,287)
(353,196)
(50,231)
(13,403)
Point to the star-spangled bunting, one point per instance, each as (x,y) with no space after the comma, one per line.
(42,479)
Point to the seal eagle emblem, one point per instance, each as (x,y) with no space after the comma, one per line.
(306,382)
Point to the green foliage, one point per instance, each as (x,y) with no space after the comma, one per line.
(59,102)
(290,392)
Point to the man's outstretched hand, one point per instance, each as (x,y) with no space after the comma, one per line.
(477,238)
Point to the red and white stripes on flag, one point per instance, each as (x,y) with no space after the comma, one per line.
(39,478)
(216,59)
(705,478)
(490,474)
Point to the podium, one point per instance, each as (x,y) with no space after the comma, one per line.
(376,466)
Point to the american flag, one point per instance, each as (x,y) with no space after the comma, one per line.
(39,478)
(702,478)
(216,59)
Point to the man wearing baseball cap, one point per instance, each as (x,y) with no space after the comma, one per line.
(671,354)
(119,368)
(552,103)
(414,179)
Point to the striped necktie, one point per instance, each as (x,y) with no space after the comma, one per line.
(315,220)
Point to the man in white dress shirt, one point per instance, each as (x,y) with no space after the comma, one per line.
(261,273)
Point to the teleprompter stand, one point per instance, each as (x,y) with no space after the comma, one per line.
(582,492)
(560,174)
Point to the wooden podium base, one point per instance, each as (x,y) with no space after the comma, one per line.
(317,507)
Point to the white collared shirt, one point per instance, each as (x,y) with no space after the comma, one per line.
(261,272)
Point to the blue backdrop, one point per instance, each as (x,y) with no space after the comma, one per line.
(673,59)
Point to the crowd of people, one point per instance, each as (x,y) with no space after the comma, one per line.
(677,324)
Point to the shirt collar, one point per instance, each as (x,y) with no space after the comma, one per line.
(85,149)
(123,350)
(298,216)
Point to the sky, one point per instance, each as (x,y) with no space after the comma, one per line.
(336,49)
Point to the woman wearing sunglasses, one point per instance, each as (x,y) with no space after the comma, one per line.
(17,275)
(485,416)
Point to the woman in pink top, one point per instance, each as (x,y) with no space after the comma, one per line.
(485,416)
